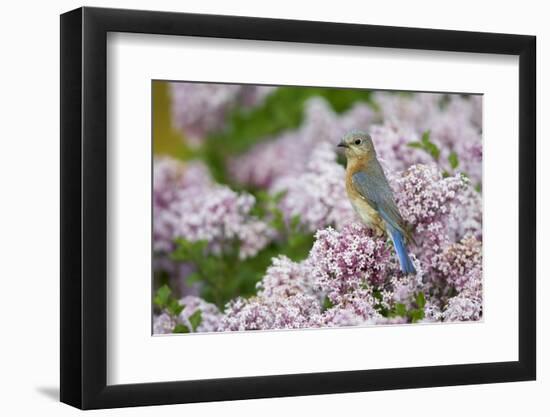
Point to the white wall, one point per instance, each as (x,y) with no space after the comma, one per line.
(29,207)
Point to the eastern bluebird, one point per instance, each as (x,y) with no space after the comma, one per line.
(371,196)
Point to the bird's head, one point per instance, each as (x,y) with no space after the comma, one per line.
(357,144)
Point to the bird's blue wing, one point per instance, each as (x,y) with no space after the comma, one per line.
(373,186)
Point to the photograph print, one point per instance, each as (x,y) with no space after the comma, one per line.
(289,207)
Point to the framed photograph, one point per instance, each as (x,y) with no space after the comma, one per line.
(257,208)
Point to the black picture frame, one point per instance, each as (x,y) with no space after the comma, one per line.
(84,207)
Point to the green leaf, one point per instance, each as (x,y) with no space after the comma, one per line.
(181,328)
(426,145)
(195,319)
(453,160)
(174,307)
(327,304)
(162,297)
(416,145)
(420,300)
(416,315)
(426,137)
(432,149)
(400,309)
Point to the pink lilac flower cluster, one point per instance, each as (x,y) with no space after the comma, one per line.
(285,300)
(446,216)
(210,316)
(171,178)
(288,154)
(351,265)
(461,264)
(264,313)
(393,138)
(454,123)
(343,267)
(285,278)
(358,273)
(316,195)
(204,212)
(201,108)
(289,298)
(345,261)
(163,323)
(433,205)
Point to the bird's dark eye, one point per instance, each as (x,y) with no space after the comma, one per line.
(358,142)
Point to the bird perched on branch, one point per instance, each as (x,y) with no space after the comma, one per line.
(371,196)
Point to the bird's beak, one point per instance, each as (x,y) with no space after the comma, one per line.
(343,144)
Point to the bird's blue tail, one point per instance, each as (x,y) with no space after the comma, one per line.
(401,249)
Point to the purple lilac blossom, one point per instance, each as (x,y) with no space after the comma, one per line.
(201,108)
(288,153)
(286,299)
(210,315)
(428,201)
(285,278)
(171,178)
(463,308)
(391,139)
(205,212)
(163,323)
(414,111)
(317,195)
(462,266)
(344,261)
(454,123)
(218,215)
(263,313)
(459,260)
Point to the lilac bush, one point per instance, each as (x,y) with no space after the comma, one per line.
(359,276)
(430,146)
(200,210)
